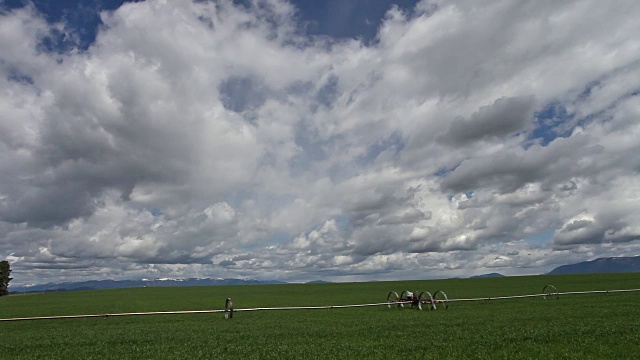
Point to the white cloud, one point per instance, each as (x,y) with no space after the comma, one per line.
(213,139)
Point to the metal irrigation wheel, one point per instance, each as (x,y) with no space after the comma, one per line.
(392,298)
(550,290)
(439,297)
(406,295)
(425,298)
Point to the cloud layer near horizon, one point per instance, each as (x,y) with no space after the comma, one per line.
(212,139)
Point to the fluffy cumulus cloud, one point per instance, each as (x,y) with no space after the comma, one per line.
(212,138)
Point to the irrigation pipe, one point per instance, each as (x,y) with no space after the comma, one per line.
(322,307)
(555,293)
(113,315)
(229,310)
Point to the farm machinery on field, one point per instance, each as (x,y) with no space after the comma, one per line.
(423,300)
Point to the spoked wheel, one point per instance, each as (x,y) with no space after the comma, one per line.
(439,297)
(425,300)
(550,291)
(392,298)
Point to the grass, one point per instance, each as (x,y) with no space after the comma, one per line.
(593,326)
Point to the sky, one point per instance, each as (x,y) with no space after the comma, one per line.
(326,140)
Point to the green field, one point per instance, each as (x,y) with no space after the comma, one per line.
(592,326)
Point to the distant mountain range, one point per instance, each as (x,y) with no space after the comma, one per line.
(490,275)
(601,265)
(318,282)
(117,284)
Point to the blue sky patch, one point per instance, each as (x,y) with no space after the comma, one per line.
(548,123)
(542,238)
(81,19)
(343,19)
(339,19)
(17,76)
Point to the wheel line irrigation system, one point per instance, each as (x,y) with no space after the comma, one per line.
(393,299)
